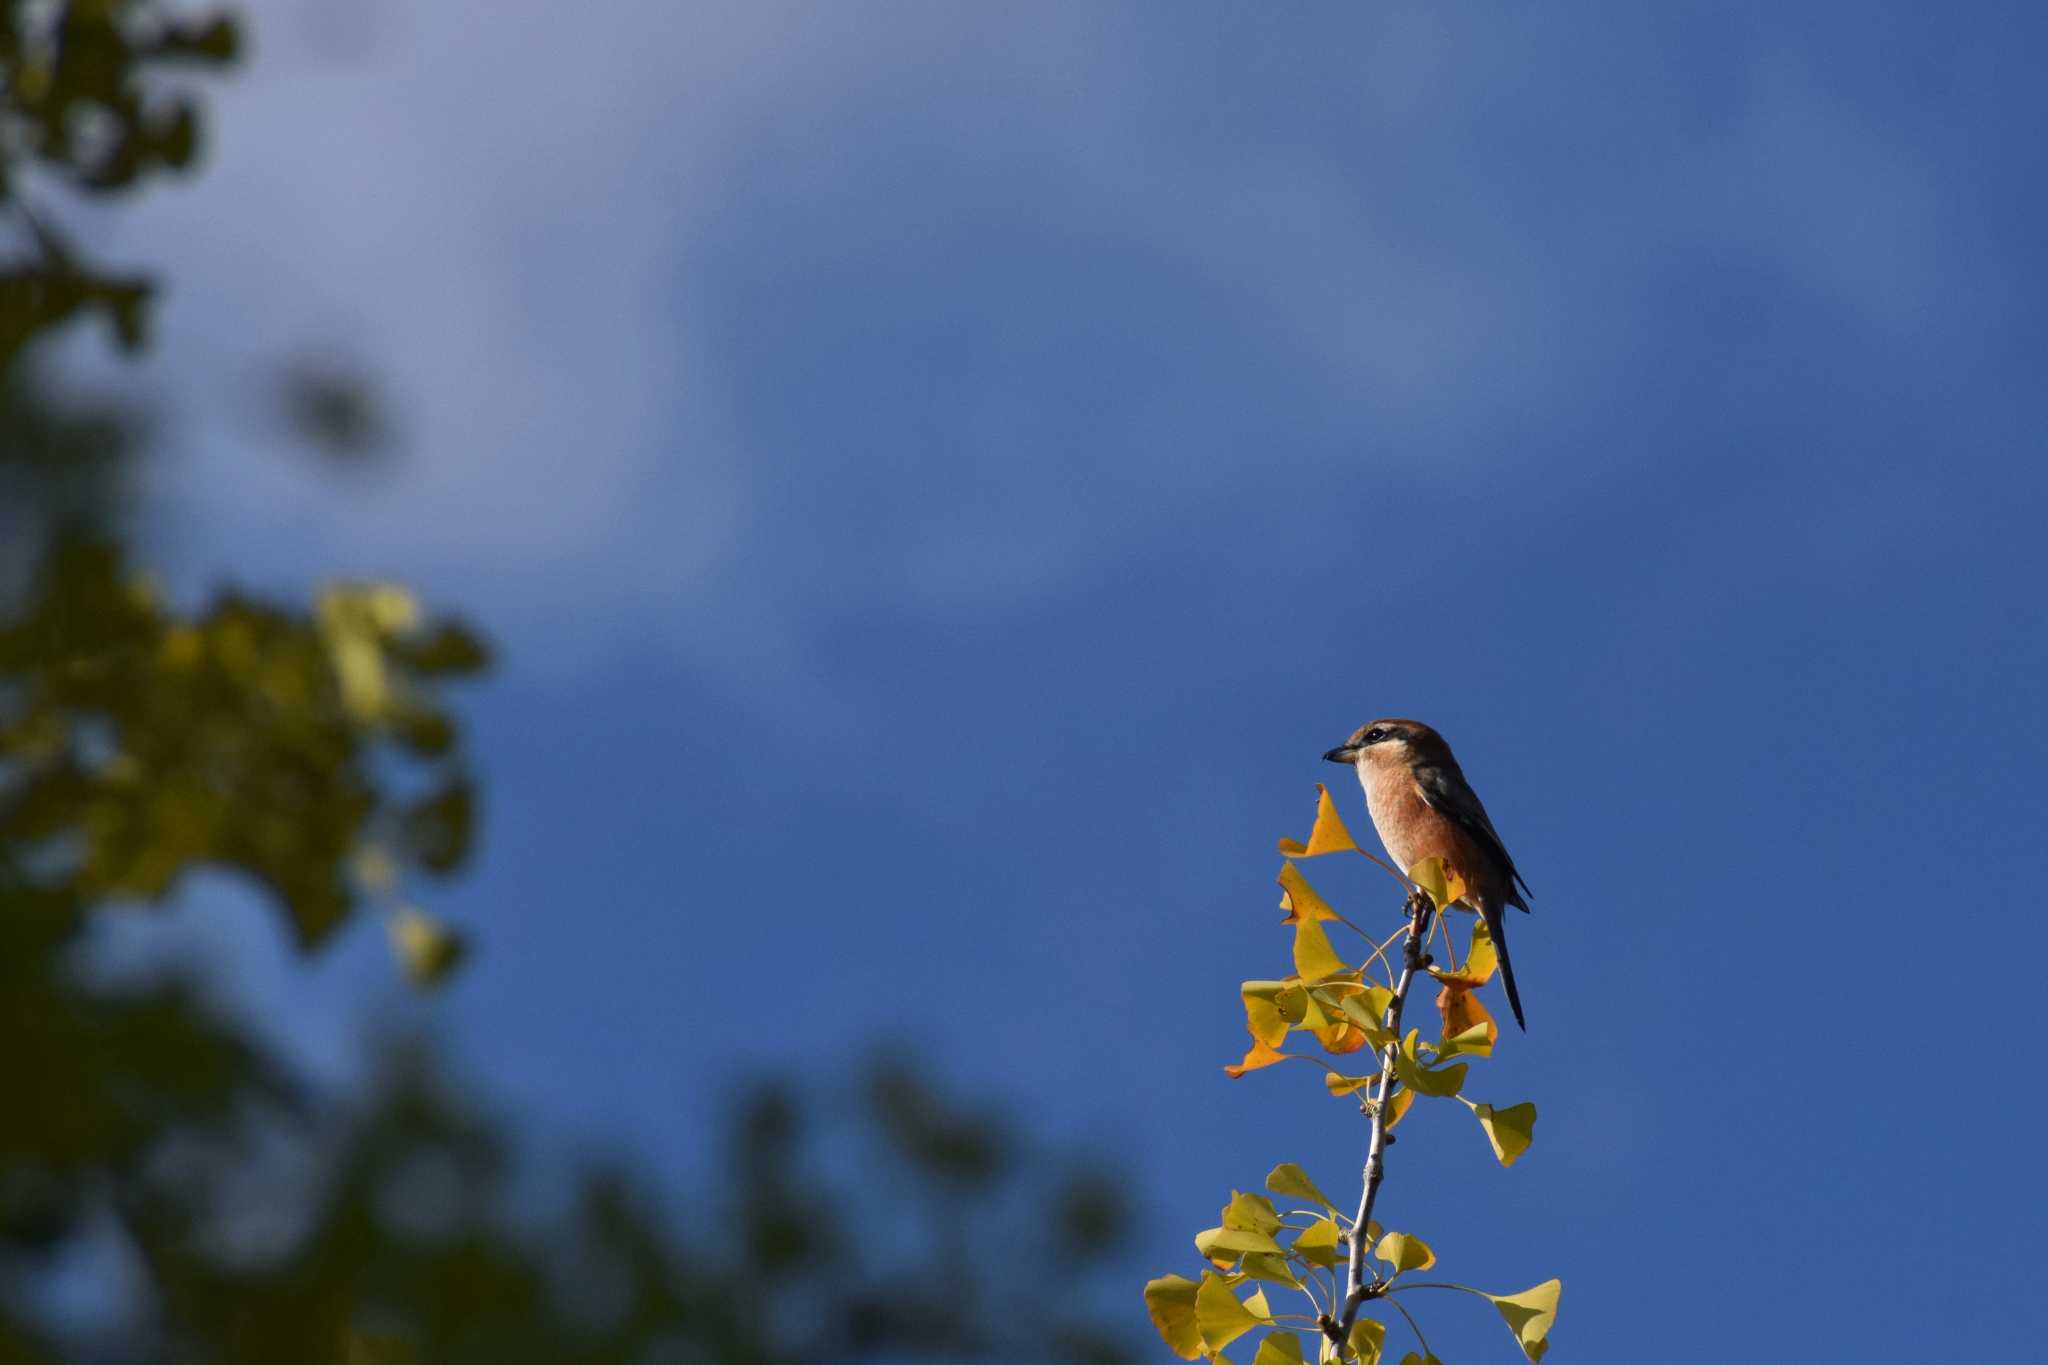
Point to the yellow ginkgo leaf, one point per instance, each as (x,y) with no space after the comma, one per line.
(1319,1243)
(1170,1300)
(1314,958)
(1253,1213)
(1300,900)
(1404,1252)
(1368,1338)
(1482,958)
(1329,834)
(1530,1315)
(1429,875)
(1288,1178)
(1263,1018)
(1272,1269)
(1279,1348)
(1223,1246)
(1438,1081)
(1441,883)
(1473,1041)
(1219,1317)
(1369,1022)
(1510,1130)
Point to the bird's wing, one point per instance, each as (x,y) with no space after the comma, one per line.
(1448,793)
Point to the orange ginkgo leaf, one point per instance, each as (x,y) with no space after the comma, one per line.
(1459,1005)
(1329,834)
(1259,1056)
(1456,1002)
(1341,1037)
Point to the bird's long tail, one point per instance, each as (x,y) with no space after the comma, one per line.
(1496,925)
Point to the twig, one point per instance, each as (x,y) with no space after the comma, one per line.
(1414,958)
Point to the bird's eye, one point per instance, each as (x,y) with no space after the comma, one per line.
(1375,735)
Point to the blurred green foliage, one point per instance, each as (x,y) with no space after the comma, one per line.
(170,1189)
(90,105)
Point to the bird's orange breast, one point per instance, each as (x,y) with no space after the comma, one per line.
(1412,830)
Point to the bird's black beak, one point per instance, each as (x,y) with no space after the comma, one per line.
(1341,754)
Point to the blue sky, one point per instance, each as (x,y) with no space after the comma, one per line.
(940,475)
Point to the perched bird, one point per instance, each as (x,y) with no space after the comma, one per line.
(1423,807)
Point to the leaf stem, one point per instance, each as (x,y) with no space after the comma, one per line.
(1379,948)
(1406,886)
(1445,1284)
(1450,948)
(1302,1283)
(1414,1327)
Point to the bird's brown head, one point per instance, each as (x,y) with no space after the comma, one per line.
(1389,743)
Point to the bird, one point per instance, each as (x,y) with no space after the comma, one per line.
(1423,807)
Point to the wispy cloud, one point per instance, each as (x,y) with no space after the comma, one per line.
(730,317)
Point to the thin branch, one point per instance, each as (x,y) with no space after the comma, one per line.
(1414,958)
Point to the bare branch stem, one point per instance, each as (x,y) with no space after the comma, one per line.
(1414,958)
